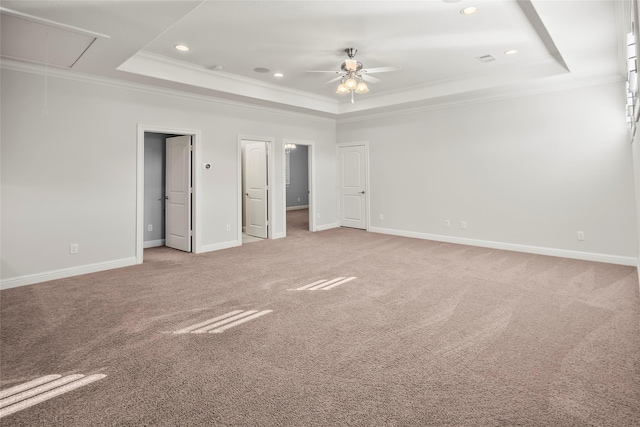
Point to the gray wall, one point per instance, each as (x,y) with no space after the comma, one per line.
(79,159)
(154,177)
(525,172)
(298,190)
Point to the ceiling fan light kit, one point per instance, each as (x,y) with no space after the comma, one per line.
(353,79)
(351,83)
(362,88)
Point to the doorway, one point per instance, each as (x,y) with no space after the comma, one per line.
(299,188)
(176,179)
(167,190)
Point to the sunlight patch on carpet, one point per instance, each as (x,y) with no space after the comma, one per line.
(222,323)
(25,395)
(324,285)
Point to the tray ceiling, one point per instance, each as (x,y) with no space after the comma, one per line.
(437,47)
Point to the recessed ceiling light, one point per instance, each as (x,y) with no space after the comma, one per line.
(182,47)
(469,10)
(261,70)
(510,52)
(278,75)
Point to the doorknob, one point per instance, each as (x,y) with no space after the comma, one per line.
(362,192)
(166,197)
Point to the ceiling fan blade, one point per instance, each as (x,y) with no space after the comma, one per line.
(333,80)
(381,69)
(323,71)
(370,79)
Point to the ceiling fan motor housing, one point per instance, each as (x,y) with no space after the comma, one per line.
(351,65)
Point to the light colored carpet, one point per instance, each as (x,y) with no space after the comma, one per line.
(427,333)
(250,239)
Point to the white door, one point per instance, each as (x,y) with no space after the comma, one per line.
(255,184)
(178,193)
(353,192)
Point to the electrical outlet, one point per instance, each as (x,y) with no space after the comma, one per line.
(73,248)
(298,198)
(150,227)
(463,224)
(447,223)
(580,235)
(381,217)
(228,227)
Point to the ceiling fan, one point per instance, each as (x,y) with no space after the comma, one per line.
(353,76)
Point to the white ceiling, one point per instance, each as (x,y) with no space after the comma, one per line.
(559,43)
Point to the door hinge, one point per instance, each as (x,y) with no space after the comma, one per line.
(266,187)
(190,190)
(190,233)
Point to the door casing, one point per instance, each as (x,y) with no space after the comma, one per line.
(312,189)
(196,138)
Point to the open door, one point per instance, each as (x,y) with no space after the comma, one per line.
(255,196)
(178,193)
(353,197)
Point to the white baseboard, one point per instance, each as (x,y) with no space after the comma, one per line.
(278,235)
(31,279)
(219,246)
(326,227)
(563,253)
(153,243)
(295,208)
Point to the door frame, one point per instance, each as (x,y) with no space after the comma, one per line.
(196,245)
(367,207)
(271,193)
(311,177)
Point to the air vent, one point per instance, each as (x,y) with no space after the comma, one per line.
(485,58)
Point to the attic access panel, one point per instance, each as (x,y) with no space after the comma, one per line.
(31,39)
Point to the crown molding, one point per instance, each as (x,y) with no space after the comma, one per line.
(550,85)
(161,67)
(230,76)
(63,73)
